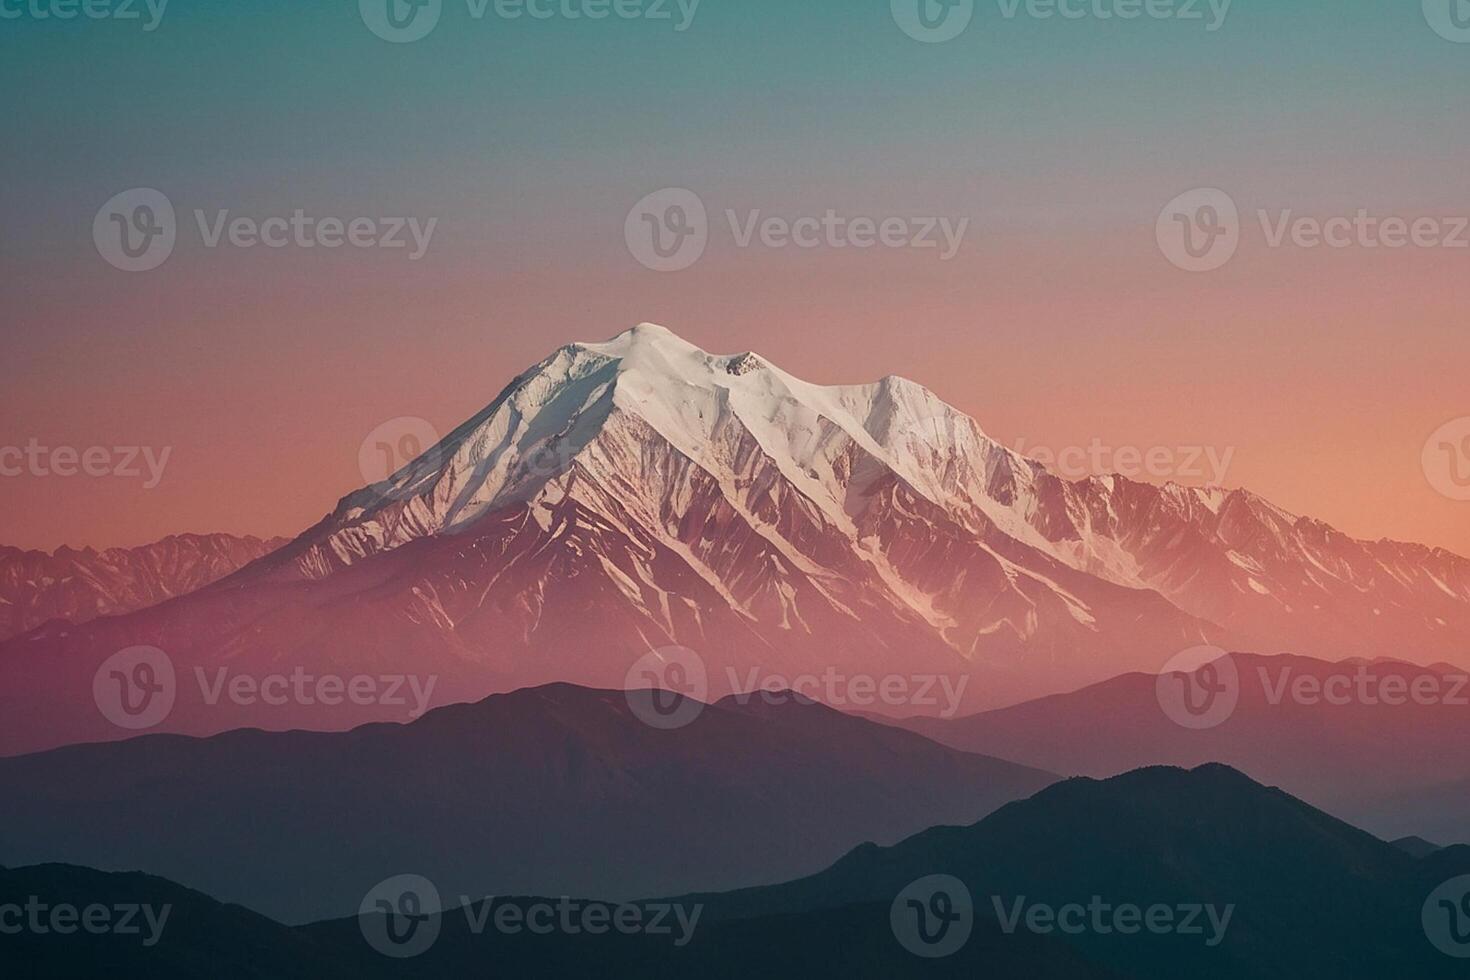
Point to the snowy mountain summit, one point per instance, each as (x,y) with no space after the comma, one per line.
(692,486)
(589,407)
(639,493)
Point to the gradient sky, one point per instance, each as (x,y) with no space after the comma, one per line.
(1059,321)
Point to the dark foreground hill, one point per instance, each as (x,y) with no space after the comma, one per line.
(1294,893)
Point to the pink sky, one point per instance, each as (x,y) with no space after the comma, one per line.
(1324,371)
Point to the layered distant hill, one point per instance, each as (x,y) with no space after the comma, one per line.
(203,939)
(1307,897)
(1359,742)
(1310,896)
(1440,811)
(625,495)
(557,790)
(76,586)
(199,937)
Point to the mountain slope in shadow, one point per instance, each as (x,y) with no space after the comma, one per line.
(1310,897)
(188,935)
(202,939)
(554,790)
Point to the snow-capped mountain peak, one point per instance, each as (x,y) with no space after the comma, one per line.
(807,509)
(637,493)
(539,428)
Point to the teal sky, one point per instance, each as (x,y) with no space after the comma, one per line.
(757,97)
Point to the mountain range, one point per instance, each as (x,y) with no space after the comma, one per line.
(624,496)
(1294,894)
(557,790)
(1310,896)
(79,585)
(1353,738)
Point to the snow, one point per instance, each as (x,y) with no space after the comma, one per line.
(645,419)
